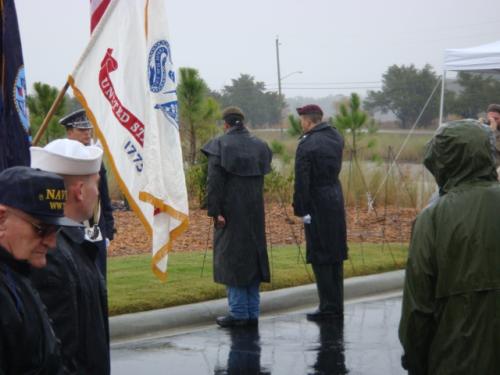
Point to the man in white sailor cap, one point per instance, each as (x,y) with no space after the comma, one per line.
(71,286)
(79,128)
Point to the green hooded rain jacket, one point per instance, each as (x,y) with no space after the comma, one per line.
(450,321)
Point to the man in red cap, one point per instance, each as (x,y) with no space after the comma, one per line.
(318,199)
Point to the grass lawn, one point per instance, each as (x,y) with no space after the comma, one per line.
(132,287)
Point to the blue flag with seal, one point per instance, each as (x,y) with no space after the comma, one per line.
(14,119)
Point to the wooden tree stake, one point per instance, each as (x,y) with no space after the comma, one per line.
(49,115)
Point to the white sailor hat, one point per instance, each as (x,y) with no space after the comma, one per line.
(67,157)
(77,119)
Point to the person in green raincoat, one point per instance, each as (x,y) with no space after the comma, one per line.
(450,321)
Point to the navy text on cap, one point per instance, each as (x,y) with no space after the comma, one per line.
(37,193)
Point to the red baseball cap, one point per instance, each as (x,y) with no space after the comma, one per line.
(309,109)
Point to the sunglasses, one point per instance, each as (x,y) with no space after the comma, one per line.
(41,229)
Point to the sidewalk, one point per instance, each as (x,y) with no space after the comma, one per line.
(151,323)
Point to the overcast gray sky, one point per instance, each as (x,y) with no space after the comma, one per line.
(331,42)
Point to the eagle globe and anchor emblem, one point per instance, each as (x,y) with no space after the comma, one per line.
(19,93)
(162,79)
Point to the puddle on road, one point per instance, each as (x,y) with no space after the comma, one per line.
(366,343)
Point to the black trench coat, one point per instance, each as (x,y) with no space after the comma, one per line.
(318,192)
(237,163)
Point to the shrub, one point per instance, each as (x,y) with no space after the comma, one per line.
(196,182)
(278,187)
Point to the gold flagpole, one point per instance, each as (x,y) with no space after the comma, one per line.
(49,115)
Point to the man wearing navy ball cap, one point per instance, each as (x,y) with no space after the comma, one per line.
(31,212)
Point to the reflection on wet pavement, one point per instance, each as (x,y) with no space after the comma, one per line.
(244,353)
(288,344)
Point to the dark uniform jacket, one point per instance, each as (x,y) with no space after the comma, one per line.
(237,163)
(75,295)
(27,343)
(106,221)
(318,193)
(450,321)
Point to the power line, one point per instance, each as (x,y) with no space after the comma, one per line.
(334,83)
(326,88)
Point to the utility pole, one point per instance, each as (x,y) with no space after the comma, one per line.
(278,64)
(279,73)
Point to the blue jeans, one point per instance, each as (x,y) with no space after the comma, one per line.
(244,301)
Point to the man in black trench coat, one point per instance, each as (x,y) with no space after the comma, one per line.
(319,201)
(237,163)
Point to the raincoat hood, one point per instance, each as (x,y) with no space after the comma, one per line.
(460,152)
(450,315)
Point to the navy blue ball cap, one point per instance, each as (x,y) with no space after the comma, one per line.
(77,119)
(310,109)
(40,194)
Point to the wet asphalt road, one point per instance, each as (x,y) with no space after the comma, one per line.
(287,344)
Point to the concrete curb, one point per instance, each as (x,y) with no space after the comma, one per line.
(152,322)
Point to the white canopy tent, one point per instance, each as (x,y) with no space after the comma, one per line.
(481,58)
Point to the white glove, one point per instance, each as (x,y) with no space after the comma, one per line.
(306,219)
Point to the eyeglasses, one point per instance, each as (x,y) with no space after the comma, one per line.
(41,229)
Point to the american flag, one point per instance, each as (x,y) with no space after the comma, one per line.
(97,9)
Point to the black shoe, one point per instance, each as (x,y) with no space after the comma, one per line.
(319,316)
(253,322)
(229,321)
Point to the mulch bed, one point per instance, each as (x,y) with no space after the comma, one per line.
(390,224)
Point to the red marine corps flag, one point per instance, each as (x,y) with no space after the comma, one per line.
(127,83)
